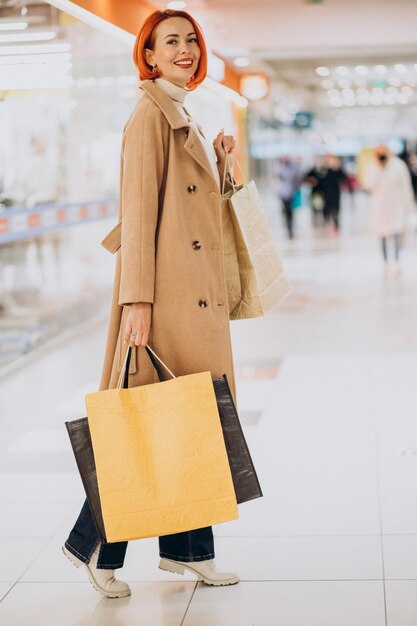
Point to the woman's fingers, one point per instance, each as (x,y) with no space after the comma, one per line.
(138,324)
(228,143)
(128,330)
(132,338)
(144,340)
(224,143)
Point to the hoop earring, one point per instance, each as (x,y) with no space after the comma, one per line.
(154,68)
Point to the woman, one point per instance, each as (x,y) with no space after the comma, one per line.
(389,183)
(169,285)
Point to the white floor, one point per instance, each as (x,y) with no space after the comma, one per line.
(326,393)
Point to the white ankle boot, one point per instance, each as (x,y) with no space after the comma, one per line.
(204,570)
(103,580)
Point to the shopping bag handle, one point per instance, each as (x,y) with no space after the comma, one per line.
(227,168)
(124,373)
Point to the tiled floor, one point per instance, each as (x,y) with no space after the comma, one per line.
(326,394)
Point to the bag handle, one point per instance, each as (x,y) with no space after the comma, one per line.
(124,372)
(227,169)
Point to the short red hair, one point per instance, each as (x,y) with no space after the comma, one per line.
(146,39)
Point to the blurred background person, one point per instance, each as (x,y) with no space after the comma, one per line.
(351,181)
(289,182)
(392,200)
(314,178)
(331,185)
(412,165)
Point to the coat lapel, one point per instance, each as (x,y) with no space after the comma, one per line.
(193,144)
(195,148)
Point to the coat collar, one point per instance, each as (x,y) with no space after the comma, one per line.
(165,103)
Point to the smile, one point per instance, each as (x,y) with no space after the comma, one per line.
(186,63)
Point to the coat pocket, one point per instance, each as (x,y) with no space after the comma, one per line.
(113,240)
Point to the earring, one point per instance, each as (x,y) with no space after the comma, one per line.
(154,68)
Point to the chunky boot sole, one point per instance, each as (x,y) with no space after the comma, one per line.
(179,568)
(77,562)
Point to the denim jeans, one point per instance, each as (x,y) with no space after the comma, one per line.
(193,545)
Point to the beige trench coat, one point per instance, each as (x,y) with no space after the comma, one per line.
(171,248)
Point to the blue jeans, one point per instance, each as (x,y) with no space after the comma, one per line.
(193,545)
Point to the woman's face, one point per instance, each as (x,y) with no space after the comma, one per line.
(176,51)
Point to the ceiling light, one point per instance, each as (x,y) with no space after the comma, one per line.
(394,81)
(407,90)
(342,70)
(362,70)
(400,68)
(13,26)
(15,38)
(359,81)
(36,49)
(344,83)
(327,83)
(176,4)
(241,62)
(333,93)
(381,69)
(322,71)
(254,86)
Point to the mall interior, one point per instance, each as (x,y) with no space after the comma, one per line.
(321,98)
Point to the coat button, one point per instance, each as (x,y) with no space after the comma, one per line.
(192,189)
(202,303)
(196,245)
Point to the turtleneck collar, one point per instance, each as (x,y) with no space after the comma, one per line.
(176,93)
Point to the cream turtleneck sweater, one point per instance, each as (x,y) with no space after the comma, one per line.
(178,95)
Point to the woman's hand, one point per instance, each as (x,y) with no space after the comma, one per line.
(224,144)
(139,322)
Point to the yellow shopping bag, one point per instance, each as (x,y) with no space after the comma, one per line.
(160,458)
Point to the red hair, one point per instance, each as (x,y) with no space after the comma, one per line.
(146,39)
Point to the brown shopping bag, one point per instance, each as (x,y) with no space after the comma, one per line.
(255,278)
(160,457)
